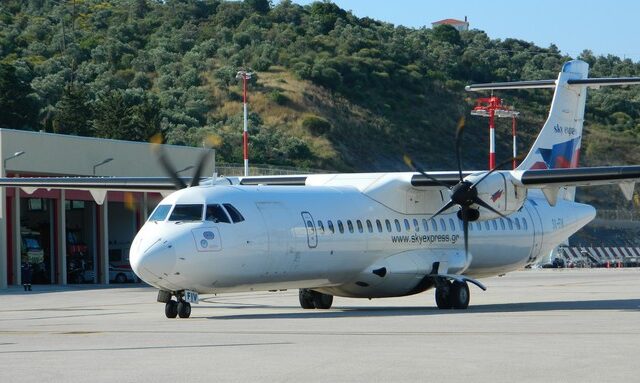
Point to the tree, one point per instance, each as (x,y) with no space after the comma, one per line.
(18,109)
(260,6)
(73,114)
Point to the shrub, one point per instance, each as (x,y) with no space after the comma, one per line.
(316,125)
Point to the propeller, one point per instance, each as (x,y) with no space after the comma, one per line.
(463,194)
(171,170)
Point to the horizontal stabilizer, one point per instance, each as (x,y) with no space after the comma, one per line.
(590,82)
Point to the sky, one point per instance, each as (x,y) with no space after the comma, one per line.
(604,27)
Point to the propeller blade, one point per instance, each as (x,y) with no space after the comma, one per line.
(169,169)
(501,164)
(465,231)
(445,207)
(195,181)
(459,131)
(411,164)
(485,205)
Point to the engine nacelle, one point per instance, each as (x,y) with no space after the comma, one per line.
(500,191)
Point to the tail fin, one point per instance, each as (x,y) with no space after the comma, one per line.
(558,144)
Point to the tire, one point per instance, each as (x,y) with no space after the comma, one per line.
(171,309)
(322,301)
(184,309)
(443,296)
(306,299)
(121,278)
(459,295)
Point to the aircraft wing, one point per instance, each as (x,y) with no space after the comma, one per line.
(604,175)
(551,180)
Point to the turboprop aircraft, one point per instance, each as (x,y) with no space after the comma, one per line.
(368,235)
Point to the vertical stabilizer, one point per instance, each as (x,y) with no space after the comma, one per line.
(558,144)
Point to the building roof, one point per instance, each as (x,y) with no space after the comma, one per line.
(450,22)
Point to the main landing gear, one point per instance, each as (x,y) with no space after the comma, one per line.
(174,308)
(310,299)
(452,294)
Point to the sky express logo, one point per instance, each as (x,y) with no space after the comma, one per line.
(425,238)
(564,130)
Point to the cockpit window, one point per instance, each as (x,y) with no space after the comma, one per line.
(186,213)
(216,213)
(161,212)
(234,213)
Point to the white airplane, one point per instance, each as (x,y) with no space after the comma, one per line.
(368,235)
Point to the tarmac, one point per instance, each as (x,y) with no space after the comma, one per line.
(529,326)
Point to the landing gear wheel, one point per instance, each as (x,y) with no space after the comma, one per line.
(184,309)
(322,301)
(459,295)
(306,299)
(171,309)
(443,294)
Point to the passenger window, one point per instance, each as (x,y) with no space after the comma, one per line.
(434,227)
(388,224)
(486,225)
(495,224)
(517,222)
(502,224)
(510,223)
(379,225)
(350,226)
(416,225)
(340,227)
(398,228)
(452,225)
(161,213)
(407,226)
(524,222)
(369,226)
(425,225)
(187,213)
(233,213)
(216,213)
(443,226)
(479,226)
(359,224)
(470,226)
(320,227)
(330,226)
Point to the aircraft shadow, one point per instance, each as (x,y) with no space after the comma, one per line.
(348,312)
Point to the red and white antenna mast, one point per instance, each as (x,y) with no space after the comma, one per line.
(244,75)
(492,107)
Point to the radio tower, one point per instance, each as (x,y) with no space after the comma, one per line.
(492,107)
(244,75)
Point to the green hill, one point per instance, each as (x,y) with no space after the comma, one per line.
(330,90)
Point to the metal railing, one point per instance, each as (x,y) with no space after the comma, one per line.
(619,215)
(237,170)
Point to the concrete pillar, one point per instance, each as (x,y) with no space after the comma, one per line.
(61,223)
(145,207)
(104,241)
(3,225)
(17,239)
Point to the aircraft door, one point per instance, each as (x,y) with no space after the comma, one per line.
(312,235)
(536,223)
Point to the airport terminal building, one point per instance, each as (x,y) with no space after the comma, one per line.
(75,236)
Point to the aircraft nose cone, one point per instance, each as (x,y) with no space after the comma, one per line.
(155,261)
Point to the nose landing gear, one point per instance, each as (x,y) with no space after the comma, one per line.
(174,308)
